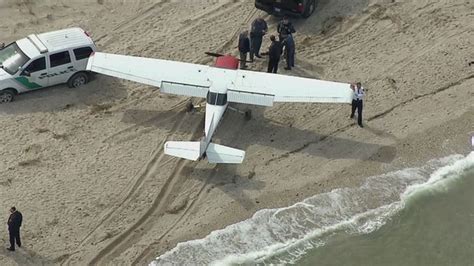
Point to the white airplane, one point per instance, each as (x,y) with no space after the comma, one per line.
(220,85)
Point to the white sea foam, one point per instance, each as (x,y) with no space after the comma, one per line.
(283,235)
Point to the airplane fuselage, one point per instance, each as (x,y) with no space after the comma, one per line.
(216,101)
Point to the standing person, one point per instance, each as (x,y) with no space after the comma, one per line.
(289,44)
(357,99)
(14,224)
(274,53)
(257,30)
(285,27)
(244,48)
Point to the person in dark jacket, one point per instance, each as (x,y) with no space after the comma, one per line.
(284,28)
(257,30)
(244,48)
(357,101)
(14,224)
(289,44)
(274,53)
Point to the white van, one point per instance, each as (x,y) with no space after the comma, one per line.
(42,60)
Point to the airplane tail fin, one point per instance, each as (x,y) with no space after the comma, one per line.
(222,154)
(192,150)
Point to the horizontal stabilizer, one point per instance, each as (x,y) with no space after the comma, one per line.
(190,150)
(221,154)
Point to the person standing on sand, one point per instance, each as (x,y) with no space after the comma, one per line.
(284,28)
(257,30)
(14,224)
(274,53)
(289,45)
(244,48)
(357,98)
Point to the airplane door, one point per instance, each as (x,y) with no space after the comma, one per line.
(34,75)
(61,68)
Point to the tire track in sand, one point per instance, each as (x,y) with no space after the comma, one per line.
(160,203)
(158,207)
(149,253)
(134,19)
(155,162)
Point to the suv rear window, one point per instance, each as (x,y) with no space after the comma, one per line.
(81,53)
(60,58)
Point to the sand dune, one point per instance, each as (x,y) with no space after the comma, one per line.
(86,166)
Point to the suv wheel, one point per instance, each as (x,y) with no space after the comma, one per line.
(78,80)
(310,7)
(6,96)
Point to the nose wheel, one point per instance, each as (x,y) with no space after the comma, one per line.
(189,107)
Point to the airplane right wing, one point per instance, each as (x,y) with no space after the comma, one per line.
(266,88)
(170,76)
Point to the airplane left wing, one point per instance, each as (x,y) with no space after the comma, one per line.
(265,88)
(170,76)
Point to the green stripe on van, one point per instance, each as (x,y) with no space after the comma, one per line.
(25,82)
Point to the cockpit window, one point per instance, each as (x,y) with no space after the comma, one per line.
(216,98)
(12,58)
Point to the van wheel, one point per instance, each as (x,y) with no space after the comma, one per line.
(310,7)
(78,80)
(6,96)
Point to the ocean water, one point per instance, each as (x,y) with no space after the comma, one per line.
(415,216)
(435,227)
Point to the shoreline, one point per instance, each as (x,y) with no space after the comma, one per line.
(283,235)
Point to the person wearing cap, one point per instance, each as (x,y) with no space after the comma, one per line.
(257,30)
(244,48)
(284,28)
(14,224)
(357,98)
(274,53)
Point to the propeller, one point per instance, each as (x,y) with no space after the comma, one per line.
(213,54)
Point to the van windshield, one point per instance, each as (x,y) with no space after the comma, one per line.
(12,58)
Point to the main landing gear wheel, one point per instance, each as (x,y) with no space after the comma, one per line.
(248,114)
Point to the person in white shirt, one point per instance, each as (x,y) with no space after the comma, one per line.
(357,102)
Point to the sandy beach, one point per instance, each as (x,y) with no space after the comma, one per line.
(86,166)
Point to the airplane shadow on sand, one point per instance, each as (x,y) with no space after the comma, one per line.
(225,178)
(236,132)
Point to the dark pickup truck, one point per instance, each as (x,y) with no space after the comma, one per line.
(295,8)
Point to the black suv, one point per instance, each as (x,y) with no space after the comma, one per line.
(297,8)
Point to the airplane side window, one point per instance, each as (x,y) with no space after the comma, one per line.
(221,99)
(211,98)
